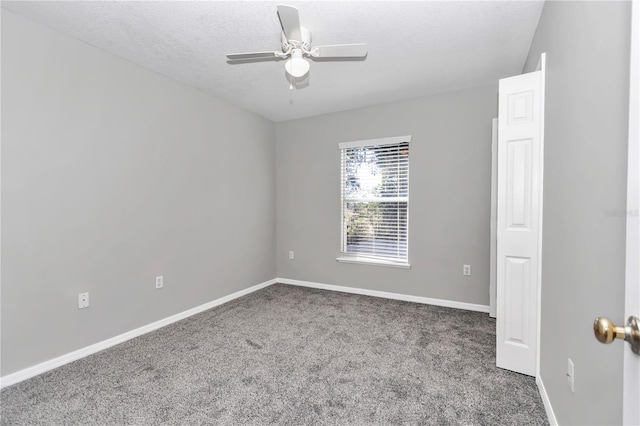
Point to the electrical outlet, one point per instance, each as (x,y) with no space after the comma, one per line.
(83,300)
(570,374)
(159,281)
(466,270)
(291,256)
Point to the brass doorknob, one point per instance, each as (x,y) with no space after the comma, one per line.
(607,332)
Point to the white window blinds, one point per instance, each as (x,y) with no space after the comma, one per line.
(375,198)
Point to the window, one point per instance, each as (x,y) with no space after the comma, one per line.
(374,189)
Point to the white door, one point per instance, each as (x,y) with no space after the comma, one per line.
(631,380)
(519,221)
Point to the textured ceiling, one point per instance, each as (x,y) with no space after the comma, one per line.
(415,48)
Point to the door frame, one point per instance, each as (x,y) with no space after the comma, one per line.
(493,226)
(542,65)
(631,362)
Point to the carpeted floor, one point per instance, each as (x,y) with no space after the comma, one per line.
(290,355)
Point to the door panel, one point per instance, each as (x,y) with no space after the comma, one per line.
(518,275)
(519,185)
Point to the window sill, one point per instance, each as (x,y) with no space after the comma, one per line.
(375,262)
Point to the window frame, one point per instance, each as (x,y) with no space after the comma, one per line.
(362,258)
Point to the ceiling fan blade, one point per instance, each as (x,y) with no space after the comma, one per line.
(358,50)
(254,55)
(290,22)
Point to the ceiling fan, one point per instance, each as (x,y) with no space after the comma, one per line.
(296,45)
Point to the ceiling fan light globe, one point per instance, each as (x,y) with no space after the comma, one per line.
(297,67)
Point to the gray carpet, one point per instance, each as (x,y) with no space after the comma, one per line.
(290,355)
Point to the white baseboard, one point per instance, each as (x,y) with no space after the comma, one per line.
(43,367)
(33,371)
(387,295)
(547,403)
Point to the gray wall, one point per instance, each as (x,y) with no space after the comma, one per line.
(586,115)
(111,175)
(449,208)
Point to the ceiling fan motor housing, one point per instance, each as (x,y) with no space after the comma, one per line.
(304,44)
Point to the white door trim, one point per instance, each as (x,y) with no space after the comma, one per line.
(631,366)
(493,225)
(542,65)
